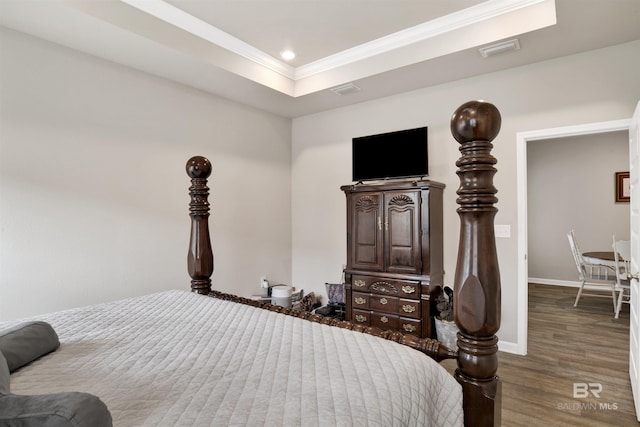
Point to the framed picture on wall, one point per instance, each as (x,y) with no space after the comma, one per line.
(623,191)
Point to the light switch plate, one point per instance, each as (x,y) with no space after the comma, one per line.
(502,231)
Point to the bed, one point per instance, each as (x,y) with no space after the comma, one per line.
(205,358)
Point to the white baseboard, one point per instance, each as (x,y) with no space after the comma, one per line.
(511,347)
(554,282)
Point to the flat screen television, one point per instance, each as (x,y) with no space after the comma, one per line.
(400,154)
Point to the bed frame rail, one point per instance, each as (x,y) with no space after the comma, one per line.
(477,278)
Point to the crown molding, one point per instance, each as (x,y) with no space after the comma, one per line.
(178,18)
(454,21)
(483,23)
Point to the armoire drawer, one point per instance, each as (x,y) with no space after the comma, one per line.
(384,321)
(386,304)
(361,317)
(360,300)
(410,326)
(384,286)
(395,323)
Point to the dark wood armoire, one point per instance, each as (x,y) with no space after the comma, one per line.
(394,255)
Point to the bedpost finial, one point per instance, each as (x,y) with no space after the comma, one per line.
(198,167)
(475,121)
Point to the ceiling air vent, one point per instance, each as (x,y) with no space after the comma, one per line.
(345,89)
(501,47)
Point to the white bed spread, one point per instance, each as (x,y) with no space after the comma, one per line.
(180,359)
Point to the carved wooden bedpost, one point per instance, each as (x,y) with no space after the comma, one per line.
(200,257)
(477,279)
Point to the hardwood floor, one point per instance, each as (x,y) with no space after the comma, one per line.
(568,346)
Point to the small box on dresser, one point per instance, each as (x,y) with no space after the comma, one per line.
(394,255)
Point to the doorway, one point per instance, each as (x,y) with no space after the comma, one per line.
(570,186)
(522,139)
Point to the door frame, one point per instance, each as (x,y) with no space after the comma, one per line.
(634,324)
(522,139)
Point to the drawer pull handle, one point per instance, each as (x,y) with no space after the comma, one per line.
(408,308)
(384,319)
(383,301)
(359,283)
(408,289)
(409,328)
(360,300)
(360,318)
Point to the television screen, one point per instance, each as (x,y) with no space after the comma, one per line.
(399,154)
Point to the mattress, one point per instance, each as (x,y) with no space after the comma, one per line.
(180,359)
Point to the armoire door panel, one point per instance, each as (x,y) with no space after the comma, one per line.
(402,232)
(367,237)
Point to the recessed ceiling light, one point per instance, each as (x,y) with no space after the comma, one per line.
(287,55)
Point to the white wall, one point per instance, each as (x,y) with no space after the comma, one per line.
(93,190)
(591,87)
(93,193)
(571,186)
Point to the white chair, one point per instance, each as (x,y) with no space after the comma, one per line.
(622,256)
(597,277)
